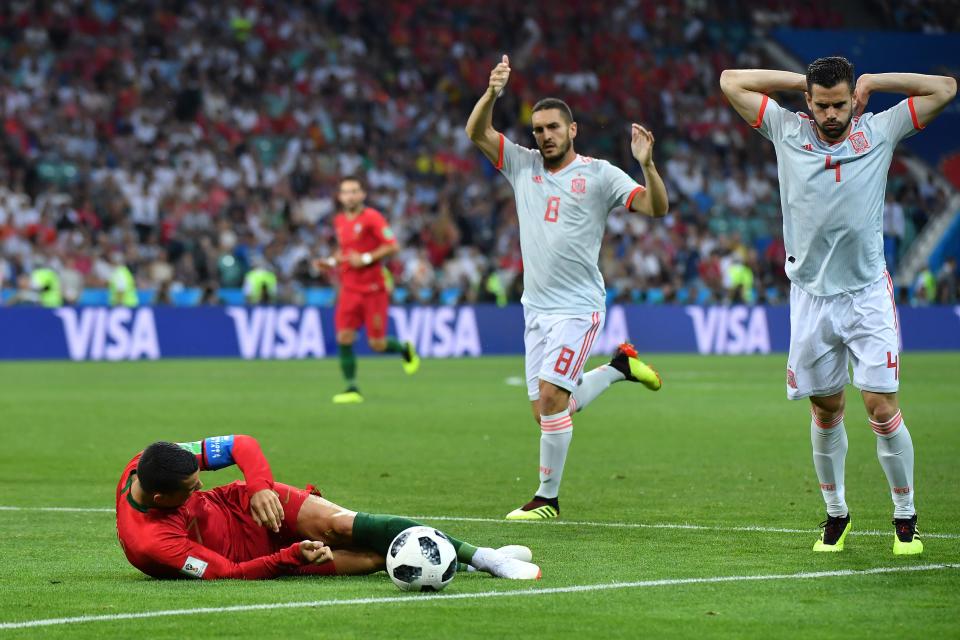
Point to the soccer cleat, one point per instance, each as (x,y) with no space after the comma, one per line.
(835,530)
(907,541)
(537,509)
(627,362)
(350,396)
(411,361)
(515,551)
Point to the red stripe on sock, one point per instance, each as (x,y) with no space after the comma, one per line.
(889,427)
(826,425)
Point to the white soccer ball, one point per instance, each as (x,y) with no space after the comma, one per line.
(421,559)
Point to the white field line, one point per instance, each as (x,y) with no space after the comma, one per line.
(570,523)
(419,598)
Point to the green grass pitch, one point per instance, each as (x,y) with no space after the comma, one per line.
(719,447)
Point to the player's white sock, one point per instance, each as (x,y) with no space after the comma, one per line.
(593,383)
(895,452)
(829,440)
(556,432)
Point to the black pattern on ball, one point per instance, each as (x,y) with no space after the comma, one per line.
(398,543)
(430,550)
(452,569)
(406,573)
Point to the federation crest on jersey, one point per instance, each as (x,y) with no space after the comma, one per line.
(538,179)
(578,185)
(859,142)
(791,378)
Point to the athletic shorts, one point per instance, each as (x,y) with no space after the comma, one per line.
(244,539)
(557,347)
(355,310)
(828,333)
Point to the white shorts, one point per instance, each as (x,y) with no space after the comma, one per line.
(827,333)
(558,347)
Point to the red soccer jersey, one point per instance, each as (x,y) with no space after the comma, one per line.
(362,233)
(206,537)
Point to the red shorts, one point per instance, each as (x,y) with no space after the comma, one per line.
(355,310)
(246,539)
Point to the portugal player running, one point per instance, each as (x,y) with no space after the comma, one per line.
(833,167)
(259,528)
(363,239)
(563,200)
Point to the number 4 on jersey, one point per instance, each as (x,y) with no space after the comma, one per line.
(835,166)
(553,209)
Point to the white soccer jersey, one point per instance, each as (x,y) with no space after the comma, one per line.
(562,218)
(832,195)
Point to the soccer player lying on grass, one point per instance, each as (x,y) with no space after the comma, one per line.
(259,528)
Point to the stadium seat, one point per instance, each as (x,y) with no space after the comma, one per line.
(320,296)
(94,298)
(232,296)
(400,295)
(450,296)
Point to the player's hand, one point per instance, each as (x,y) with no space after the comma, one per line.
(325,263)
(355,259)
(641,144)
(499,76)
(861,94)
(315,552)
(266,509)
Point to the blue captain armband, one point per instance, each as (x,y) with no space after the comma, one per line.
(218,452)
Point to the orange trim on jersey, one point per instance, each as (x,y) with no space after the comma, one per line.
(499,164)
(633,194)
(913,115)
(763,107)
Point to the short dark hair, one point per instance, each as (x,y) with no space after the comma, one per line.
(554,103)
(352,178)
(829,72)
(164,466)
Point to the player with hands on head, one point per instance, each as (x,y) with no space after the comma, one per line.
(832,166)
(563,201)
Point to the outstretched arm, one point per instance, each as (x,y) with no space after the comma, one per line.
(930,93)
(652,201)
(480,123)
(746,88)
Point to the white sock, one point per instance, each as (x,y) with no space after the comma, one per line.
(895,452)
(829,440)
(556,432)
(593,383)
(482,558)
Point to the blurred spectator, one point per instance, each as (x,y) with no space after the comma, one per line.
(947,282)
(893,230)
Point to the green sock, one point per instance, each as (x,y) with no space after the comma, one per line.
(394,346)
(348,365)
(376,532)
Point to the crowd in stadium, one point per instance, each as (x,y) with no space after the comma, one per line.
(191,143)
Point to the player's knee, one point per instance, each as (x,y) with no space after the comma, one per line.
(553,400)
(881,408)
(378,345)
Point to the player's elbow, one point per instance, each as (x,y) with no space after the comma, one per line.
(728,80)
(949,88)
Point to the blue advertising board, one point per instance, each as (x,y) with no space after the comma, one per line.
(288,332)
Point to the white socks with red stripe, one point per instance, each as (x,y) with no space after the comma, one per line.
(556,432)
(895,452)
(592,384)
(829,440)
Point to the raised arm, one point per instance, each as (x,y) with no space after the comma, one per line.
(653,200)
(244,451)
(746,89)
(930,93)
(480,123)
